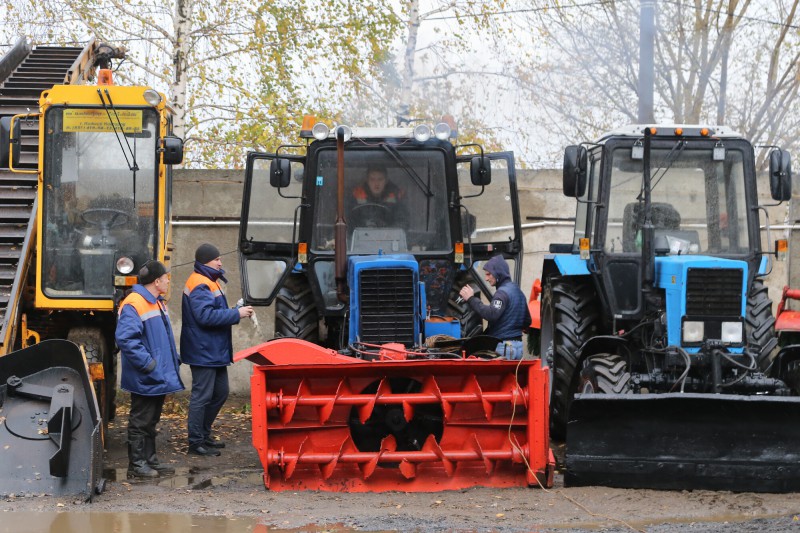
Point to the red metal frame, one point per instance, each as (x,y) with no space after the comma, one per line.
(494,421)
(787,320)
(535,304)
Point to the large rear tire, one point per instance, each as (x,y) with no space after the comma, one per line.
(96,347)
(295,311)
(569,317)
(761,336)
(605,374)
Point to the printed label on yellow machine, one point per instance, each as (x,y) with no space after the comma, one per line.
(127,120)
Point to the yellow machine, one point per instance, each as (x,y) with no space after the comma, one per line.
(101,209)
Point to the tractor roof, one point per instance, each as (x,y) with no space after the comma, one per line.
(675,130)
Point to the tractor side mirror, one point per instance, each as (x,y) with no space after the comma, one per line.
(9,150)
(780,175)
(280,173)
(574,176)
(173,150)
(480,171)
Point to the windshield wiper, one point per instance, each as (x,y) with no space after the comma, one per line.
(672,156)
(392,151)
(110,107)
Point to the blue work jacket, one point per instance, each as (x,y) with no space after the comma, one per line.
(207,320)
(150,360)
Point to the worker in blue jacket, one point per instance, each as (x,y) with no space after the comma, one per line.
(507,313)
(150,365)
(207,346)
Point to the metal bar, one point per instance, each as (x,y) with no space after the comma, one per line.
(279,399)
(279,458)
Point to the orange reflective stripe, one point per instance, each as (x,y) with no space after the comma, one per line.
(360,194)
(143,308)
(198,279)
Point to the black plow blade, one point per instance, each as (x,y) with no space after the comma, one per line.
(50,432)
(685,442)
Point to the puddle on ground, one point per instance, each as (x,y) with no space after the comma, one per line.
(189,478)
(80,522)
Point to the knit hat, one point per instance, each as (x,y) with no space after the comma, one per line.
(151,271)
(205,253)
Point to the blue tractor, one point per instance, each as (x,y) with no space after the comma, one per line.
(656,321)
(352,268)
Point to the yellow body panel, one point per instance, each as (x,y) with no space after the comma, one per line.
(83,96)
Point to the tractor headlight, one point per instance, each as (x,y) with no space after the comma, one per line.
(320,131)
(152,97)
(422,133)
(732,332)
(442,131)
(693,331)
(124,265)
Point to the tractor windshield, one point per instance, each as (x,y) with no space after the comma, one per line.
(395,201)
(698,201)
(96,208)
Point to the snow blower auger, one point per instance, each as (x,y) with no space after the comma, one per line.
(324,421)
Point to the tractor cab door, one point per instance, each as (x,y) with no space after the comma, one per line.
(267,234)
(490,220)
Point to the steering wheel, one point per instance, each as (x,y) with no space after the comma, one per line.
(378,214)
(105,217)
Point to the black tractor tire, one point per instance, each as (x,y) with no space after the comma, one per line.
(96,347)
(605,374)
(296,313)
(471,322)
(569,317)
(760,324)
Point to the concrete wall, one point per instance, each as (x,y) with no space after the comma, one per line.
(218,193)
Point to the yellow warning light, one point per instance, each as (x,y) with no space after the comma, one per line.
(781,249)
(104,77)
(308,123)
(653,131)
(459,252)
(678,131)
(583,246)
(302,252)
(704,132)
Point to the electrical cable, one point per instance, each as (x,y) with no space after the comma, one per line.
(516,446)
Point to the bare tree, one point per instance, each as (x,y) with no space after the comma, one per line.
(721,61)
(239,75)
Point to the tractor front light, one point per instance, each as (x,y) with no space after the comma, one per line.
(152,97)
(732,332)
(442,131)
(422,133)
(693,331)
(320,131)
(124,265)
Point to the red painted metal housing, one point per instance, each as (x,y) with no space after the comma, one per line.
(320,421)
(787,319)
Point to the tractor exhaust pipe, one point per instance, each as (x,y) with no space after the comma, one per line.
(648,231)
(340,227)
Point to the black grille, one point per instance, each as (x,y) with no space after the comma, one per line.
(386,304)
(715,292)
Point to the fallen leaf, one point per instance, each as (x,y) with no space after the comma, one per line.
(500,515)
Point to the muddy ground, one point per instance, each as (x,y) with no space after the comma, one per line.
(231,486)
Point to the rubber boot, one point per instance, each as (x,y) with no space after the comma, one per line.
(137,462)
(152,458)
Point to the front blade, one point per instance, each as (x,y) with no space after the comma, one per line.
(684,442)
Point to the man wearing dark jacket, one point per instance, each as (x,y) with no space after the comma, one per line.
(507,313)
(207,346)
(150,365)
